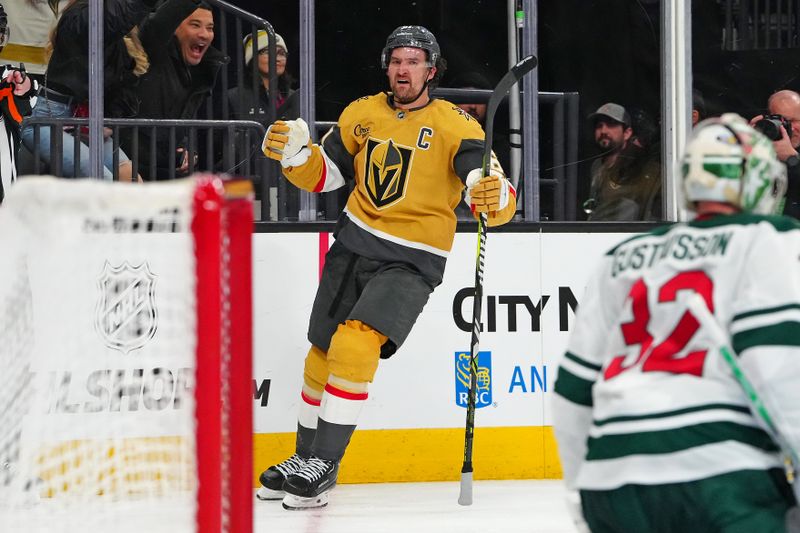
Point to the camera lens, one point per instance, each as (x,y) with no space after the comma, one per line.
(769,127)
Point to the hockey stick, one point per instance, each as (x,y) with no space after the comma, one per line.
(707,321)
(511,77)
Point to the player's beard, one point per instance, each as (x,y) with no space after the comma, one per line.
(406,94)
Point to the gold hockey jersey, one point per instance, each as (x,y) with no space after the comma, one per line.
(409,168)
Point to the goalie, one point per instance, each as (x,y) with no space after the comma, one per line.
(654,426)
(409,158)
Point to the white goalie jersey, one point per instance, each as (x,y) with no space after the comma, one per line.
(643,395)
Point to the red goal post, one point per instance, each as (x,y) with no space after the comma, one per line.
(127,400)
(223,226)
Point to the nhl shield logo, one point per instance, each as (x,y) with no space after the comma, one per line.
(388,164)
(126,315)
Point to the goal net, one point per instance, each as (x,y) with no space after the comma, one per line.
(125,349)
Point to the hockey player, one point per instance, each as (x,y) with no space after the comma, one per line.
(17,98)
(410,157)
(653,428)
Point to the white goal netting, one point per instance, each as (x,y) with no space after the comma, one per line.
(98,298)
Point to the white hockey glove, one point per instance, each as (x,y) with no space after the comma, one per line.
(487,193)
(288,142)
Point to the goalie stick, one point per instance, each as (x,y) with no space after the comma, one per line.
(509,79)
(709,323)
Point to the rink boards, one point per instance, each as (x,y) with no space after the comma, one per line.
(412,427)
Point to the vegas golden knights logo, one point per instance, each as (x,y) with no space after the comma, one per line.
(388,165)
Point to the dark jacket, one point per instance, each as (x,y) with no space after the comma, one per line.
(628,190)
(171,89)
(791,206)
(68,68)
(244,104)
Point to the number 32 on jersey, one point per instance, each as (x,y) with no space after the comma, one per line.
(664,356)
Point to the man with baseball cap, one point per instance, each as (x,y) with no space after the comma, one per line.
(623,186)
(615,112)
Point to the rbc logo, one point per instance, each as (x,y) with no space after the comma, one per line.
(483,391)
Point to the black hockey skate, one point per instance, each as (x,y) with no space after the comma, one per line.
(273,477)
(309,487)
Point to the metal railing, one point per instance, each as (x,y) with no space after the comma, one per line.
(761,24)
(561,179)
(223,146)
(233,147)
(230,18)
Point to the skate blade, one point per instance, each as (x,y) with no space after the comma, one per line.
(296,503)
(265,494)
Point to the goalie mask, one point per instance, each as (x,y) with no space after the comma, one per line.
(413,37)
(5,31)
(728,161)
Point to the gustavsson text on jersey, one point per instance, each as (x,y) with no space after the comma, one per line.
(683,246)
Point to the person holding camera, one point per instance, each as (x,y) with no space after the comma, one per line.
(781,125)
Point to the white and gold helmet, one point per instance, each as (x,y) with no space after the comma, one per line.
(728,161)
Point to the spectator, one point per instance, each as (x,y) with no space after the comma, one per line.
(250,101)
(244,103)
(645,151)
(17,97)
(654,425)
(30,23)
(66,91)
(408,157)
(787,104)
(472,80)
(624,182)
(183,70)
(699,112)
(645,129)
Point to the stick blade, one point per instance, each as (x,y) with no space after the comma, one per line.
(524,65)
(511,77)
(465,496)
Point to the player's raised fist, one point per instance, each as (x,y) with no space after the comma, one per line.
(287,142)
